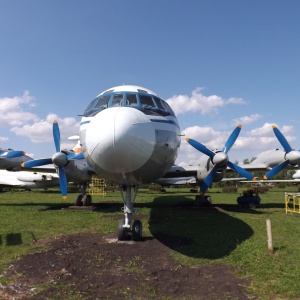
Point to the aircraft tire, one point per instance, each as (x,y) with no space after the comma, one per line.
(137,230)
(78,200)
(87,200)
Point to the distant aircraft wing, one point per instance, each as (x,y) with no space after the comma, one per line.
(178,171)
(274,181)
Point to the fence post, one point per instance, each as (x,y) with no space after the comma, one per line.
(269,236)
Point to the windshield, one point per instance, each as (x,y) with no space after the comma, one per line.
(144,102)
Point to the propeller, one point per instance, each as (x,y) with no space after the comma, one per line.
(59,159)
(220,159)
(292,157)
(11,154)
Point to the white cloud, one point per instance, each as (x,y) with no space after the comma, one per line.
(14,110)
(200,103)
(265,130)
(41,131)
(207,136)
(3,139)
(246,120)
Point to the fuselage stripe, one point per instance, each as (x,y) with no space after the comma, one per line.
(85,122)
(164,121)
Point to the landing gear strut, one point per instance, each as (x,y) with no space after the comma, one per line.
(125,228)
(83,199)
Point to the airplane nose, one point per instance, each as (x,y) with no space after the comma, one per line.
(293,157)
(120,139)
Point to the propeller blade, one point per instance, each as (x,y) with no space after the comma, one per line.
(220,159)
(63,182)
(276,169)
(232,138)
(12,154)
(75,156)
(208,180)
(286,146)
(37,162)
(200,147)
(56,136)
(240,171)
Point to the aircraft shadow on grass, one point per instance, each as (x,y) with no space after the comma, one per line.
(206,232)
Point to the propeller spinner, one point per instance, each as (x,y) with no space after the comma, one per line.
(292,157)
(220,159)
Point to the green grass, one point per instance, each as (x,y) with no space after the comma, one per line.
(225,234)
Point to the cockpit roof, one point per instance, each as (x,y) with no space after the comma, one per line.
(129,88)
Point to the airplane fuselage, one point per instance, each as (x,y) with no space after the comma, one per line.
(129,135)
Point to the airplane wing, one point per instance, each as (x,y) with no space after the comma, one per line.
(25,179)
(274,181)
(45,169)
(176,181)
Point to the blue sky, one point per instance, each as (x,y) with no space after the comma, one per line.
(218,63)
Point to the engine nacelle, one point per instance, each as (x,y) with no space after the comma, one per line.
(33,177)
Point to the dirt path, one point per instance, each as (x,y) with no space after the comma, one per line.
(94,266)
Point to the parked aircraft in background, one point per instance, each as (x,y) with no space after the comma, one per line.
(276,160)
(12,160)
(290,157)
(131,136)
(297,175)
(75,168)
(27,180)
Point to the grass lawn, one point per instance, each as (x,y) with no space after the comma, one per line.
(223,234)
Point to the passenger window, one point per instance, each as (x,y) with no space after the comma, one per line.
(117,100)
(131,100)
(147,101)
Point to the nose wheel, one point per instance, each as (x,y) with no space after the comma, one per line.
(135,233)
(126,227)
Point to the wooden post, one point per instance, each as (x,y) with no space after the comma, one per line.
(269,236)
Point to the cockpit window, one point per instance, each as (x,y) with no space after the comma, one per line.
(90,106)
(159,103)
(147,101)
(131,100)
(117,100)
(102,101)
(96,105)
(169,109)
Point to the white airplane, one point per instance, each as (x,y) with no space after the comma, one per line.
(75,170)
(131,136)
(276,160)
(27,180)
(296,175)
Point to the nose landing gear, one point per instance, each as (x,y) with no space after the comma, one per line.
(126,227)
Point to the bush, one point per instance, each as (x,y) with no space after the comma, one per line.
(281,185)
(229,189)
(262,189)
